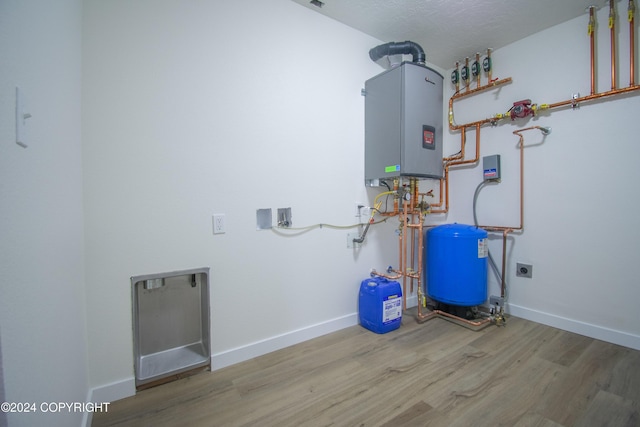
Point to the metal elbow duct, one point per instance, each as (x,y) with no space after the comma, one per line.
(398,48)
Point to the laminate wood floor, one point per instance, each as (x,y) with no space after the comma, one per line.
(431,374)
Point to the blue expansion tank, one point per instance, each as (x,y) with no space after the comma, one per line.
(456,264)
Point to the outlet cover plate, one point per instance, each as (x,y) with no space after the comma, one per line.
(524,270)
(219,226)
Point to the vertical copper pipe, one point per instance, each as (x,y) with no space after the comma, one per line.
(403,265)
(477,64)
(591,32)
(420,255)
(463,142)
(612,28)
(441,195)
(400,250)
(458,74)
(476,158)
(521,182)
(413,254)
(448,164)
(466,81)
(420,250)
(490,66)
(396,186)
(446,188)
(413,186)
(422,293)
(632,48)
(504,262)
(414,200)
(400,264)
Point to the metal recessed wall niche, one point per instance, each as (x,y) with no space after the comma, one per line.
(170,325)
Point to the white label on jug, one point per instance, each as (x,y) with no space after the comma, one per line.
(391,310)
(483,249)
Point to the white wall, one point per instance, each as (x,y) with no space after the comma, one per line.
(196,108)
(580,197)
(42,298)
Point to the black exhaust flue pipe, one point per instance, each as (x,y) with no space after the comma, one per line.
(398,48)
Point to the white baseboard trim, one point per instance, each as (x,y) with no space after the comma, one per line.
(114,391)
(412,301)
(594,331)
(109,393)
(249,351)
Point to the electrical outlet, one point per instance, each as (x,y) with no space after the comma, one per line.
(524,270)
(219,226)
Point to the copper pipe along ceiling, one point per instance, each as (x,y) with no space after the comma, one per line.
(614,91)
(591,32)
(612,28)
(632,49)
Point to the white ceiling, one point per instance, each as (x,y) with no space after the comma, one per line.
(450,30)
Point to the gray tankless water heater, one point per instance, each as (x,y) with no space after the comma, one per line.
(403,123)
